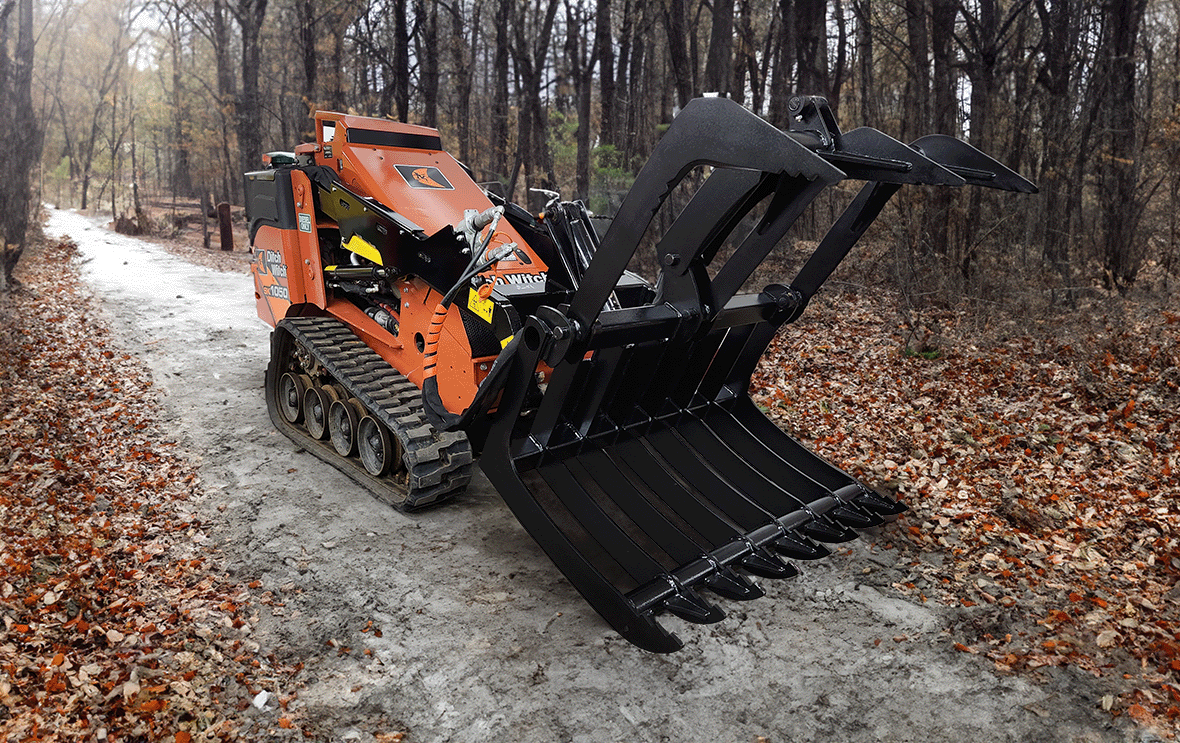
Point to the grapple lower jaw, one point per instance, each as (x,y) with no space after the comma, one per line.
(645,471)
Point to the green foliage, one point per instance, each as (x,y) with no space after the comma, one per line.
(610,177)
(563,145)
(929,353)
(62,170)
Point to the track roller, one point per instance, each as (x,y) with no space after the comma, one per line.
(343,419)
(317,401)
(292,388)
(379,451)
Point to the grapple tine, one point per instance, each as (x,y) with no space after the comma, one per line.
(549,417)
(602,381)
(828,531)
(731,584)
(766,565)
(721,364)
(712,214)
(790,199)
(853,516)
(880,504)
(889,161)
(691,606)
(673,367)
(623,407)
(777,452)
(671,492)
(737,504)
(629,498)
(799,547)
(703,355)
(972,165)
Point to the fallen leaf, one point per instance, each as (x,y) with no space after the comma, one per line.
(1139,714)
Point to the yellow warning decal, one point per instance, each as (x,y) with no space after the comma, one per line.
(364,249)
(479,305)
(504,343)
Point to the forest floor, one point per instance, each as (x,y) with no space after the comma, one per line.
(172,569)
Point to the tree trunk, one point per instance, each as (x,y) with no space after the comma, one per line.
(427,48)
(719,62)
(604,51)
(916,120)
(840,72)
(115,146)
(305,10)
(25,139)
(461,60)
(811,49)
(529,52)
(581,67)
(746,62)
(1121,206)
(401,61)
(1060,28)
(499,112)
(181,177)
(250,16)
(870,109)
(784,82)
(938,213)
(676,27)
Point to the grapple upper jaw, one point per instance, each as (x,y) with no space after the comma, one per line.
(974,166)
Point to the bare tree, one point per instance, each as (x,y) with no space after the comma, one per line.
(1120,193)
(676,25)
(250,15)
(16,84)
(426,18)
(581,63)
(502,52)
(530,48)
(719,62)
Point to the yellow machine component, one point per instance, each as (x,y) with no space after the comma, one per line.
(364,249)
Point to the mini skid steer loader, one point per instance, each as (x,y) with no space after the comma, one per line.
(422,324)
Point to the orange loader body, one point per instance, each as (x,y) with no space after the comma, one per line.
(400,166)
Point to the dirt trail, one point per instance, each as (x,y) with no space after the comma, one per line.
(453,625)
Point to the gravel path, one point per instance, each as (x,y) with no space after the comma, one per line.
(453,625)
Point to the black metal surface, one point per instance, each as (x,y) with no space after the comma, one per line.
(403,140)
(641,465)
(269,200)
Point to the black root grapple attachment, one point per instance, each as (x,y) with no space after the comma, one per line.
(640,464)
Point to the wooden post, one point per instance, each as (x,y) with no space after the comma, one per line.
(206,203)
(227,230)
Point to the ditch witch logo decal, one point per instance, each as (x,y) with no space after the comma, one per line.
(424,177)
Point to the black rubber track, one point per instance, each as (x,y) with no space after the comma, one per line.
(437,465)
